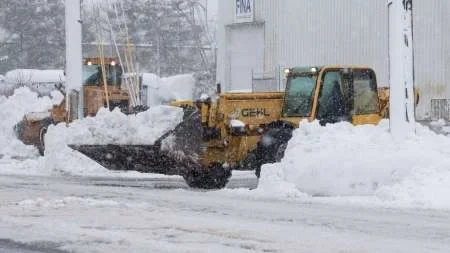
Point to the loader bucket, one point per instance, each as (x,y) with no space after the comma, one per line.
(172,154)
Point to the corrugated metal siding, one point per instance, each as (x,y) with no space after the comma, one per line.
(225,17)
(334,32)
(317,32)
(431,51)
(267,11)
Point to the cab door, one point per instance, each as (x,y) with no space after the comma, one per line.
(365,107)
(332,102)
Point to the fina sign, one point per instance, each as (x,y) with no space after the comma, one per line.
(244,10)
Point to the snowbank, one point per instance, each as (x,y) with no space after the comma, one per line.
(12,110)
(272,181)
(164,90)
(347,160)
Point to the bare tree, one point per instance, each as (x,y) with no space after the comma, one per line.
(36,33)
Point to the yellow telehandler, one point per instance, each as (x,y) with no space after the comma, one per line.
(245,130)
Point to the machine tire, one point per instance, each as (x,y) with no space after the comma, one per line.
(214,177)
(279,154)
(41,143)
(272,151)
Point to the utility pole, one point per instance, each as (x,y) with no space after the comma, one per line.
(158,48)
(401,68)
(73,52)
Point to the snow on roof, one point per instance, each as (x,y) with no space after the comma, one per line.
(180,86)
(241,91)
(151,80)
(162,90)
(35,76)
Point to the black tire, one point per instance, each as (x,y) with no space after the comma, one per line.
(41,144)
(279,154)
(214,177)
(39,140)
(272,146)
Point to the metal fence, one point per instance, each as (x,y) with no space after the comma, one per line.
(440,109)
(265,81)
(262,84)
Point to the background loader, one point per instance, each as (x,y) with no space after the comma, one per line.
(245,130)
(102,79)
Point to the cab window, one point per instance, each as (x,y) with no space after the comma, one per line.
(299,93)
(332,106)
(365,92)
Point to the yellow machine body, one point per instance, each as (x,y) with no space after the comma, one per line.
(254,112)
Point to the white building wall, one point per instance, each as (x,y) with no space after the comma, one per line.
(268,12)
(245,59)
(431,51)
(334,32)
(318,32)
(225,18)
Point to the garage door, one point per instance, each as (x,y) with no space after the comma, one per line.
(246,55)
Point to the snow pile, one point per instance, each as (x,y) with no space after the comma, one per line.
(438,123)
(440,126)
(106,128)
(164,90)
(272,181)
(342,159)
(114,127)
(12,110)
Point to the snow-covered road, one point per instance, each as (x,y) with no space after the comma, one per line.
(76,214)
(396,192)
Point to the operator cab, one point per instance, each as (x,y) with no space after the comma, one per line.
(331,94)
(95,95)
(92,73)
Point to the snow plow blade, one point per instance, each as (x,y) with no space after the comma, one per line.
(174,153)
(142,158)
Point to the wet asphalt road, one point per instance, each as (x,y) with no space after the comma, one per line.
(229,221)
(9,246)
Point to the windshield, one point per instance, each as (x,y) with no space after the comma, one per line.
(299,91)
(365,92)
(92,74)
